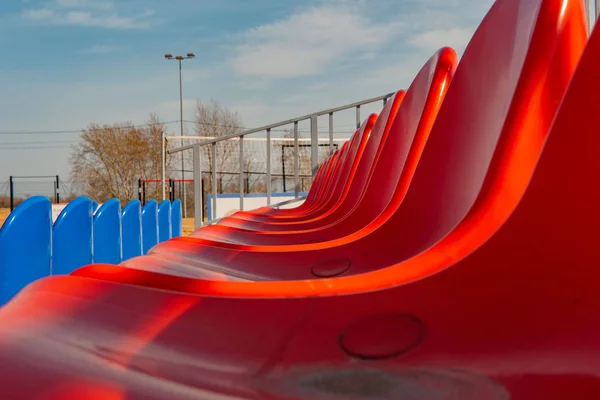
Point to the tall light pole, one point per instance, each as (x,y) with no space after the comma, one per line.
(179,59)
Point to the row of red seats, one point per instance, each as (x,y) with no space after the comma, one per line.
(447,251)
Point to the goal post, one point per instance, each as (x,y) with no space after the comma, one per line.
(151,189)
(284,162)
(252,166)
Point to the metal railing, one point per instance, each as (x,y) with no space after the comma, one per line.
(314,155)
(592,11)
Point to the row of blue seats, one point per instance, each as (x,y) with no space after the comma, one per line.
(33,247)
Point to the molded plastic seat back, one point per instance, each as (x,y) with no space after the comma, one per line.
(336,171)
(329,177)
(73,237)
(494,95)
(337,187)
(509,82)
(362,171)
(350,162)
(312,196)
(25,246)
(486,328)
(407,137)
(393,170)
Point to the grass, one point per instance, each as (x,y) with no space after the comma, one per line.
(188,226)
(3,215)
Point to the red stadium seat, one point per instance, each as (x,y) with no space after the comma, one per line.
(355,149)
(492,78)
(505,307)
(355,178)
(320,192)
(400,138)
(320,184)
(337,181)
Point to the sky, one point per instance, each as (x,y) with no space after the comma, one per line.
(68,63)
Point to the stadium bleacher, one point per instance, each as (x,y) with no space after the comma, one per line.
(446,252)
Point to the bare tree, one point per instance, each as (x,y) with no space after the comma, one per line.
(70,190)
(153,136)
(212,121)
(215,120)
(110,159)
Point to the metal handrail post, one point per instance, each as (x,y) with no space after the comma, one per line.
(269,166)
(198,195)
(296,161)
(214,180)
(241,146)
(314,144)
(162,164)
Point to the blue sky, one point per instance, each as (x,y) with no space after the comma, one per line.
(68,63)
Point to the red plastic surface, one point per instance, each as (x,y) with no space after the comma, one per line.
(333,194)
(312,197)
(505,307)
(319,187)
(361,171)
(311,200)
(403,137)
(329,175)
(336,194)
(491,98)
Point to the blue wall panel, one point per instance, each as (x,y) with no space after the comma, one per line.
(25,246)
(164,221)
(32,248)
(72,237)
(149,226)
(176,221)
(107,233)
(132,230)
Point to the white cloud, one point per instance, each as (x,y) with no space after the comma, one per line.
(97,5)
(309,41)
(86,18)
(316,43)
(356,55)
(254,112)
(90,13)
(432,40)
(78,17)
(38,14)
(101,49)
